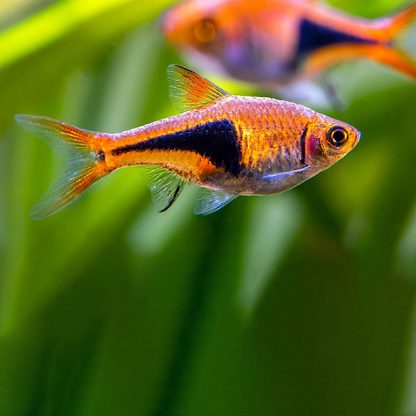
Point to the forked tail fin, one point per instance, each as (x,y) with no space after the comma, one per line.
(85,163)
(387,51)
(396,23)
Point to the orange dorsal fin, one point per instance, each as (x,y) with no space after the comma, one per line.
(189,90)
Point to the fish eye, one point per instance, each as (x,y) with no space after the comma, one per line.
(205,31)
(337,136)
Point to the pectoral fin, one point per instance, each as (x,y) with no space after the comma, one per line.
(209,201)
(284,175)
(283,181)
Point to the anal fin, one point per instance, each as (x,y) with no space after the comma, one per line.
(209,201)
(164,186)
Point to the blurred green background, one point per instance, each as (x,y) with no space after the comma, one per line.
(296,304)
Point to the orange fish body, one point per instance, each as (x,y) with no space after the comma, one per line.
(228,145)
(273,42)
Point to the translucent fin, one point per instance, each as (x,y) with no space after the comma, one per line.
(84,164)
(188,90)
(332,96)
(209,201)
(283,181)
(309,92)
(164,186)
(284,176)
(80,172)
(51,130)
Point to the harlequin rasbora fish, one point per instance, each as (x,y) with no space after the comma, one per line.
(227,145)
(278,42)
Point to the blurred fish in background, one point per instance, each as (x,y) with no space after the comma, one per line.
(284,45)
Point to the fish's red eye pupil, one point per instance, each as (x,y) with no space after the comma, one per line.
(337,136)
(205,31)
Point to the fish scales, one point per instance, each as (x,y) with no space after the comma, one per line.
(265,132)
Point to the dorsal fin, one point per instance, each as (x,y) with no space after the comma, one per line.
(189,90)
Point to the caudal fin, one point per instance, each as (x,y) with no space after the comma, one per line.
(85,163)
(394,24)
(396,59)
(387,51)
